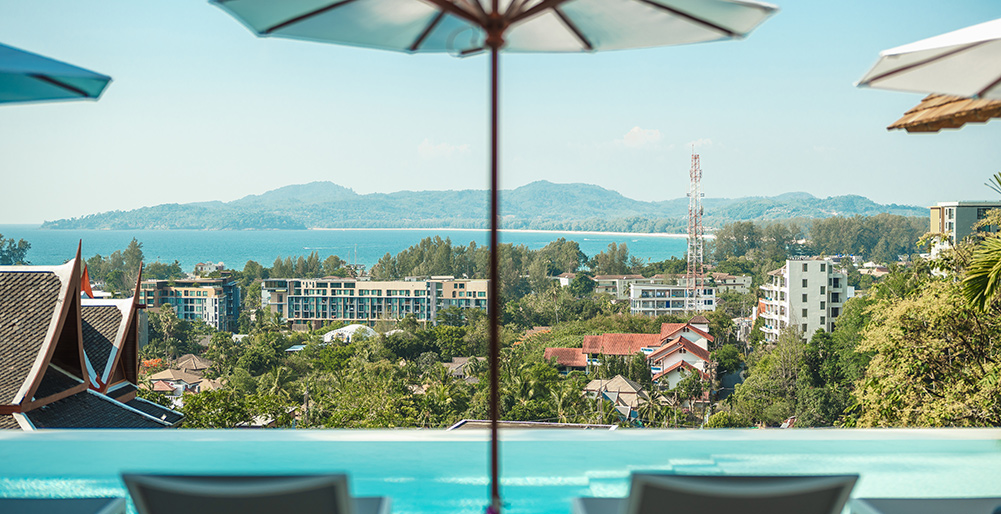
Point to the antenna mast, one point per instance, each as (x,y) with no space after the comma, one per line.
(695,275)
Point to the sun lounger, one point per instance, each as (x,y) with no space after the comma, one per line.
(301,494)
(655,493)
(925,505)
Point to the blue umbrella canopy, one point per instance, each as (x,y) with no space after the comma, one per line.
(28,77)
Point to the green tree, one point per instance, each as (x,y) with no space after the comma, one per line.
(13,252)
(215,409)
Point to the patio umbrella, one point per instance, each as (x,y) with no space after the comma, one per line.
(466,27)
(28,77)
(965,62)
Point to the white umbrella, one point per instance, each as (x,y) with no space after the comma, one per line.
(28,77)
(965,62)
(466,27)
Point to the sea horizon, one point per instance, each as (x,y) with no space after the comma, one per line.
(363,246)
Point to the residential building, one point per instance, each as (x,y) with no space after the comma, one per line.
(955,221)
(806,293)
(310,303)
(209,267)
(725,282)
(667,297)
(678,348)
(618,285)
(626,396)
(215,301)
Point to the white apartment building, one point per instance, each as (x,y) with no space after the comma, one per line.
(806,293)
(667,297)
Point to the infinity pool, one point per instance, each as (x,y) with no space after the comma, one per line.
(435,471)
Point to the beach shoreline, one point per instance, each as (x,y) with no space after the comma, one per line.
(522,231)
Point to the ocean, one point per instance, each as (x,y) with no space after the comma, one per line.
(361,246)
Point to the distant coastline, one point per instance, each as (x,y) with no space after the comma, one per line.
(522,231)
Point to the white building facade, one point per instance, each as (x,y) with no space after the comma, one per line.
(808,294)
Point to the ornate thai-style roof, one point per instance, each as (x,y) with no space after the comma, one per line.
(100,324)
(7,422)
(28,301)
(90,409)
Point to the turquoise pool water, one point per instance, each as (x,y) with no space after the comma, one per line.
(437,471)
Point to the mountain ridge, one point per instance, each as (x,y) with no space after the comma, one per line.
(539,205)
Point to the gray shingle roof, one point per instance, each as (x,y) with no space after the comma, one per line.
(122,390)
(89,410)
(7,422)
(27,301)
(100,327)
(53,382)
(155,410)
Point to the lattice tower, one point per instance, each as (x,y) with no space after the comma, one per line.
(695,276)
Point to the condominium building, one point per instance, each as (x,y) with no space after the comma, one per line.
(726,282)
(215,301)
(310,303)
(956,219)
(808,294)
(667,297)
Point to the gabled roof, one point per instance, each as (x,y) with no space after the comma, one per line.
(175,375)
(619,344)
(191,362)
(681,364)
(569,357)
(700,319)
(676,345)
(670,329)
(28,302)
(100,324)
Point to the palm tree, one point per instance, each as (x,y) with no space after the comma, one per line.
(983,275)
(996,184)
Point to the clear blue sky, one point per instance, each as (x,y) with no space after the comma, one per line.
(200,109)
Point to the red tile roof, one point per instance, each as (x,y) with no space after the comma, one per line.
(619,344)
(669,329)
(570,357)
(679,364)
(678,344)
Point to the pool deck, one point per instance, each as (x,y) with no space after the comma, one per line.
(426,471)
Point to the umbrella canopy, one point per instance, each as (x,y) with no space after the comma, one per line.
(28,77)
(937,112)
(462,26)
(466,27)
(966,62)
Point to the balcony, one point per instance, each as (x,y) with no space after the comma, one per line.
(430,471)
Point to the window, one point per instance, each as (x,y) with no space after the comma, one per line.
(804,283)
(834,313)
(822,320)
(804,298)
(823,267)
(823,305)
(804,328)
(804,267)
(823,289)
(805,313)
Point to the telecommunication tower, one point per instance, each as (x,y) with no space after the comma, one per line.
(695,275)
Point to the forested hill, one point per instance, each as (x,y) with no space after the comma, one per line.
(539,205)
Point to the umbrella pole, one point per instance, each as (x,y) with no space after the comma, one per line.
(494,300)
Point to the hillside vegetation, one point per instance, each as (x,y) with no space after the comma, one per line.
(540,205)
